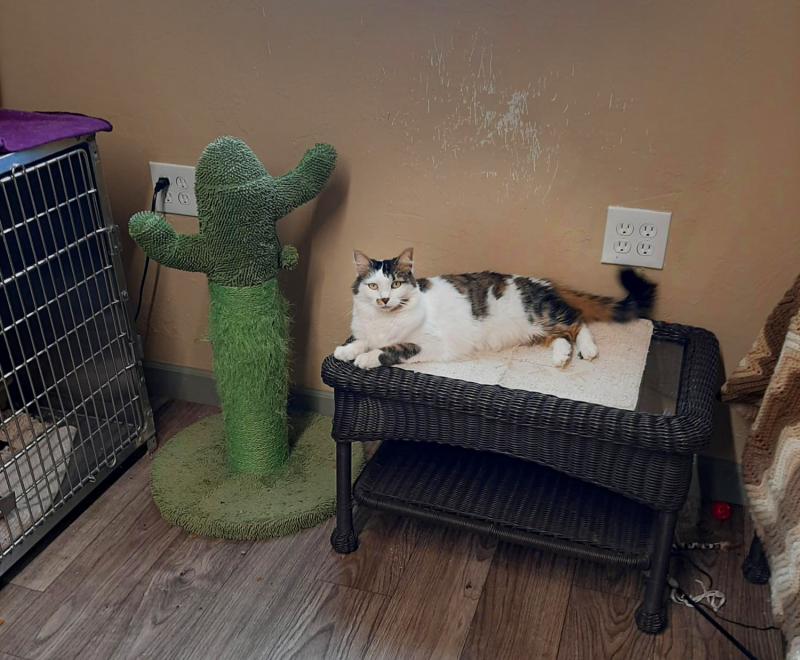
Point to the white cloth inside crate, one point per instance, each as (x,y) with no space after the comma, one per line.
(612,379)
(34,476)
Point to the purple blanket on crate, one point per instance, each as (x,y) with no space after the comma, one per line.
(25,130)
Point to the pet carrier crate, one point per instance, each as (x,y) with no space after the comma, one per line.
(73,403)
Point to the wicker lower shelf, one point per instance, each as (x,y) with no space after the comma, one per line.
(514,500)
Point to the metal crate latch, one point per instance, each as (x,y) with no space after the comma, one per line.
(8,503)
(116,243)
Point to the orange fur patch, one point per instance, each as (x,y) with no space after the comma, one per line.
(591,307)
(568,332)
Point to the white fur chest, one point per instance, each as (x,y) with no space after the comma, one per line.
(381,328)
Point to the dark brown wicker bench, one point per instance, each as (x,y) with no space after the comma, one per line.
(590,481)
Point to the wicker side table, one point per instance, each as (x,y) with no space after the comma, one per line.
(586,480)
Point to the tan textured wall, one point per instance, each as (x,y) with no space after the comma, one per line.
(487,135)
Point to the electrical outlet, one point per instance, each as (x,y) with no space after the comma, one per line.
(622,246)
(179,197)
(636,237)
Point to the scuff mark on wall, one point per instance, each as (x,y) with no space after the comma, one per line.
(469,114)
(474,109)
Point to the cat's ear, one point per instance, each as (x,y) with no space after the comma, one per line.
(362,262)
(406,260)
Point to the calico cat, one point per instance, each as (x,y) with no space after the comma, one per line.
(399,318)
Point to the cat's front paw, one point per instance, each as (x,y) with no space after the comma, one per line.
(369,360)
(346,353)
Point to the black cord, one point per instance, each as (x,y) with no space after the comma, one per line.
(709,613)
(161,184)
(698,568)
(674,584)
(739,623)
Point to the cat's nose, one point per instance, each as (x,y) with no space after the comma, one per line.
(384,300)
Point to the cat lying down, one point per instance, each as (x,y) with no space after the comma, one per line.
(399,318)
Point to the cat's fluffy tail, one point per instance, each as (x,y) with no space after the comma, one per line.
(638,303)
(640,299)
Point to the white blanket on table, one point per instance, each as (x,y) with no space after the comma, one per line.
(612,379)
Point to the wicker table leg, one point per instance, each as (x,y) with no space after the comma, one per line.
(651,617)
(344,539)
(755,566)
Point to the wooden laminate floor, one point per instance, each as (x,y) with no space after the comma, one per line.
(121,583)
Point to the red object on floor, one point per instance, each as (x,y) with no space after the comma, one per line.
(721,511)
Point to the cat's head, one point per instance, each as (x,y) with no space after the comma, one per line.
(388,284)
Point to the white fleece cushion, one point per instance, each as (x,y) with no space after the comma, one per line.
(35,479)
(612,379)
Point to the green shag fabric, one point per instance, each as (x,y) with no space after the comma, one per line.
(249,331)
(238,207)
(193,489)
(239,204)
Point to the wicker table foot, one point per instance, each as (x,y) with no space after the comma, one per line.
(344,538)
(651,623)
(755,567)
(344,542)
(651,617)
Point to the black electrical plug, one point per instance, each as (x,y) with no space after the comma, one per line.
(161,184)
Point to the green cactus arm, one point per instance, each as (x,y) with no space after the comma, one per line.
(289,257)
(303,183)
(163,244)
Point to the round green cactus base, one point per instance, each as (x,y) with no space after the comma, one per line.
(193,489)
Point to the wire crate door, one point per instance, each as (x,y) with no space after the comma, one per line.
(72,400)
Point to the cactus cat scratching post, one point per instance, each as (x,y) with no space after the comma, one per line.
(250,473)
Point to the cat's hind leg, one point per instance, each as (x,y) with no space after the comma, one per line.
(562,351)
(584,342)
(560,338)
(558,343)
(387,356)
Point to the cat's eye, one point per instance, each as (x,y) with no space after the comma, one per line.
(372,286)
(396,284)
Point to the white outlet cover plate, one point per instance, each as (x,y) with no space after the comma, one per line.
(639,218)
(179,197)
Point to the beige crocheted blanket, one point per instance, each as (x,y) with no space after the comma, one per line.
(766,389)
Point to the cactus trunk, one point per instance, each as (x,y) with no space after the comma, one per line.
(249,330)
